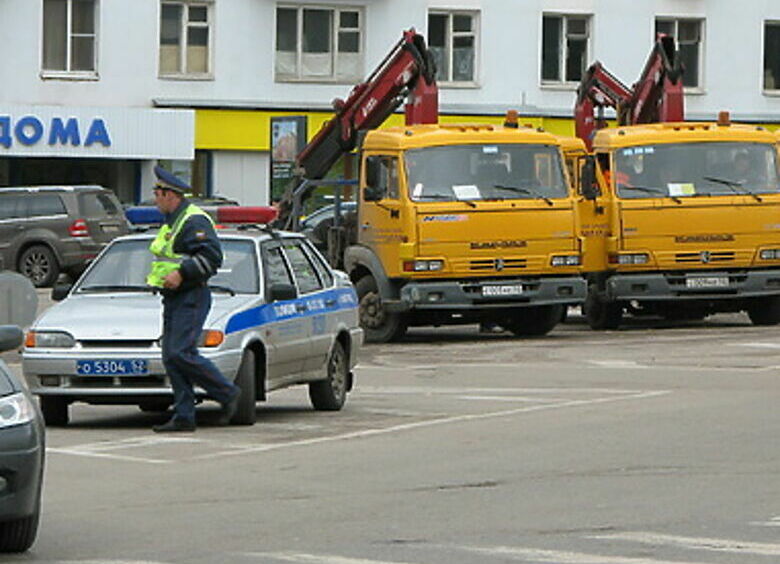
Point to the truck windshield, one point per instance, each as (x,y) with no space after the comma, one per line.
(681,170)
(485,172)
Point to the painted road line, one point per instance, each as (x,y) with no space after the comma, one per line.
(303,558)
(510,399)
(696,543)
(430,423)
(616,363)
(421,390)
(537,555)
(103,449)
(773,522)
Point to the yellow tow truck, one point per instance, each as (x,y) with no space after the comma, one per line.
(454,224)
(688,215)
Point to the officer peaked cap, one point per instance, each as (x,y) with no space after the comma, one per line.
(169,181)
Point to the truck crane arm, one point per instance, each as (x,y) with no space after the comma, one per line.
(656,97)
(406,73)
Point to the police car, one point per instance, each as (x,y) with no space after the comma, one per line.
(280,317)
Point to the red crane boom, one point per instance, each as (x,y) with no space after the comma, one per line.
(656,97)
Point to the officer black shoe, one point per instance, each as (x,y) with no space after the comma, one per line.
(175,426)
(229,409)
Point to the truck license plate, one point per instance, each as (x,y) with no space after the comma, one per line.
(707,282)
(504,290)
(112,367)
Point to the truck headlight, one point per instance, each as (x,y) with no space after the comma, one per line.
(629,258)
(770,254)
(565,260)
(422,265)
(15,409)
(49,340)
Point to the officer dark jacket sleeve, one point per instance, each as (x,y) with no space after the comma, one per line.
(199,245)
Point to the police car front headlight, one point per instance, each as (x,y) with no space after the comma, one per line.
(15,409)
(49,340)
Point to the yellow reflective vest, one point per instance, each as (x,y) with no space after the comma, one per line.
(166,261)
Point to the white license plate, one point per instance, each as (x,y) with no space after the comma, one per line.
(707,282)
(505,290)
(110,229)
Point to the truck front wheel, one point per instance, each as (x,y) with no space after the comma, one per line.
(601,314)
(380,325)
(765,311)
(535,321)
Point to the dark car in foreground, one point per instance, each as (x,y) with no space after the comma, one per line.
(21,455)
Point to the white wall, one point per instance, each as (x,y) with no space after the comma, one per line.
(242,176)
(509,56)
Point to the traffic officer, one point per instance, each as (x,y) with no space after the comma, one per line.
(187,253)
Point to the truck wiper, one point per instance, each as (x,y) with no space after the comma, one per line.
(649,190)
(519,190)
(735,186)
(447,198)
(226,289)
(115,288)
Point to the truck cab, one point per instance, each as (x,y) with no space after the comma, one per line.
(463,224)
(688,214)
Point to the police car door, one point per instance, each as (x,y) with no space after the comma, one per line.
(286,333)
(312,293)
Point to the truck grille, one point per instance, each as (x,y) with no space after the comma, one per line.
(497,264)
(705,257)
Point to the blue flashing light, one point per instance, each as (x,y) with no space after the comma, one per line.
(144,215)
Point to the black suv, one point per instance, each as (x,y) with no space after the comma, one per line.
(45,230)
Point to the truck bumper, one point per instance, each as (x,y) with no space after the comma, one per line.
(675,285)
(500,293)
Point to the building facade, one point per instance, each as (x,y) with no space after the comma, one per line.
(98,91)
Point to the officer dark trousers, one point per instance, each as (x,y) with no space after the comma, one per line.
(184,314)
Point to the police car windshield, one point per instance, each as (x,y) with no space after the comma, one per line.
(681,170)
(482,172)
(125,264)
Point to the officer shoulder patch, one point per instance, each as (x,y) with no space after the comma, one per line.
(200,235)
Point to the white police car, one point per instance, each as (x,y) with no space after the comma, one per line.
(280,317)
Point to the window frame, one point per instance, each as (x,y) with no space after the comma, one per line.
(451,34)
(776,90)
(563,83)
(675,20)
(301,244)
(336,10)
(184,25)
(67,73)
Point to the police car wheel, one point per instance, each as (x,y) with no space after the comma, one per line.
(55,411)
(39,264)
(331,393)
(246,379)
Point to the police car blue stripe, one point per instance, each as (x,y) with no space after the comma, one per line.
(316,304)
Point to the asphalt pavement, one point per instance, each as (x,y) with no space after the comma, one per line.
(655,444)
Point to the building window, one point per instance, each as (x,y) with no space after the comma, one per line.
(185,39)
(69,36)
(318,43)
(772,56)
(564,47)
(452,39)
(688,35)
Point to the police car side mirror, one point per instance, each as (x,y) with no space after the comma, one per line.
(588,185)
(11,337)
(60,291)
(282,292)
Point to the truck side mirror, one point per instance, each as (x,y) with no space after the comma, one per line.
(588,185)
(373,189)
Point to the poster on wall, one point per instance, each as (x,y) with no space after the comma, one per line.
(288,138)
